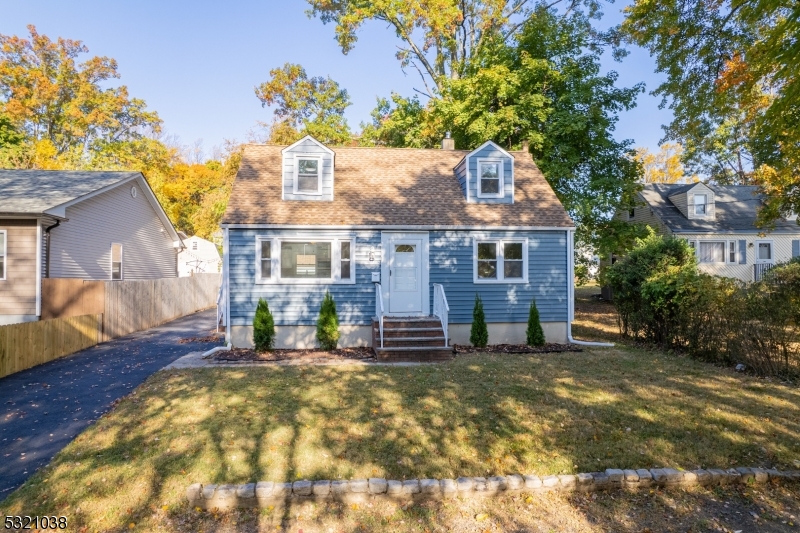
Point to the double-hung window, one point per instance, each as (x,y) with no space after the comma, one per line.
(304,260)
(3,240)
(116,261)
(490,178)
(308,175)
(503,261)
(700,204)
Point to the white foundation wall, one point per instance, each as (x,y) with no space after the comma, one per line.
(509,332)
(303,337)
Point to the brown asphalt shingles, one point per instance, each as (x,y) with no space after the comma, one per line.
(389,186)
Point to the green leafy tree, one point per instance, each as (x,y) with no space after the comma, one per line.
(263,327)
(534,335)
(479,333)
(328,324)
(304,106)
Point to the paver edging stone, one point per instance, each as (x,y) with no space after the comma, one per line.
(267,493)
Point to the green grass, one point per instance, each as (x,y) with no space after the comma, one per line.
(477,415)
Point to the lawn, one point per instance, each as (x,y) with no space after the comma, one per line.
(477,415)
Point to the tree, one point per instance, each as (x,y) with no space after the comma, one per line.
(479,332)
(304,106)
(534,335)
(441,38)
(328,324)
(51,98)
(263,327)
(664,166)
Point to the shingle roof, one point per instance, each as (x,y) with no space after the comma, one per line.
(735,206)
(389,186)
(36,191)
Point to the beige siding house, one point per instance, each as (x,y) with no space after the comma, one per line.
(85,225)
(720,224)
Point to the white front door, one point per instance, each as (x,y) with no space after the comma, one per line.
(406,273)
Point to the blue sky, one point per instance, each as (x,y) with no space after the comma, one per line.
(196,63)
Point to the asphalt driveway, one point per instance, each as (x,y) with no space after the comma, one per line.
(43,408)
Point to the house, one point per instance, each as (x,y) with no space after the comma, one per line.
(71,224)
(402,238)
(199,256)
(720,224)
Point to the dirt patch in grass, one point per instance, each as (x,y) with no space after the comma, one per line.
(517,348)
(246,355)
(595,318)
(478,415)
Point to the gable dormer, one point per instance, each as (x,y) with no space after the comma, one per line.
(696,202)
(308,171)
(486,175)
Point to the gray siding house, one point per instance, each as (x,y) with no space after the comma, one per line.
(402,238)
(86,225)
(719,222)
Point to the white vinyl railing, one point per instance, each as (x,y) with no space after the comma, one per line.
(379,309)
(221,303)
(440,307)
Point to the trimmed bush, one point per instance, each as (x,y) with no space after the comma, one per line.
(263,327)
(534,334)
(479,334)
(328,324)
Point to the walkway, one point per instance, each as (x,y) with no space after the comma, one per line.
(43,408)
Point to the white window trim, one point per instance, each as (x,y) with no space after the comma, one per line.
(728,252)
(500,260)
(121,262)
(4,255)
(770,261)
(695,204)
(297,158)
(727,248)
(501,177)
(336,264)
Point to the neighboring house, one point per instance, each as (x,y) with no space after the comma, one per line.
(405,227)
(70,224)
(199,256)
(720,223)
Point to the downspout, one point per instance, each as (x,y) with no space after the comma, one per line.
(571,293)
(47,247)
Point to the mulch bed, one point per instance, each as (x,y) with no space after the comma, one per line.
(208,338)
(517,348)
(247,355)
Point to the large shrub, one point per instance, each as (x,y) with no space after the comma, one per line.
(534,334)
(479,334)
(263,327)
(328,324)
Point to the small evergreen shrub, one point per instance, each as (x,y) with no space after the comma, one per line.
(328,324)
(263,327)
(534,334)
(479,334)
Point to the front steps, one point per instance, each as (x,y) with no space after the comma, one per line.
(410,339)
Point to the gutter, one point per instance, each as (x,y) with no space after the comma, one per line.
(571,294)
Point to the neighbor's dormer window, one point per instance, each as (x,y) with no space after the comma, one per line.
(307,176)
(700,204)
(490,178)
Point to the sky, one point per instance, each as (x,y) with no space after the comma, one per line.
(197,63)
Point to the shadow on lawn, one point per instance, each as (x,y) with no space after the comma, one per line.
(476,416)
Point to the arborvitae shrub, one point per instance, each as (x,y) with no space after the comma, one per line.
(263,327)
(328,324)
(534,333)
(479,335)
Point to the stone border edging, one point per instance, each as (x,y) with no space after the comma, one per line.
(269,493)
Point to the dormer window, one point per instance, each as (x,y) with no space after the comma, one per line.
(490,178)
(700,204)
(308,176)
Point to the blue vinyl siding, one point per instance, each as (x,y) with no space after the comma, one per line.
(452,266)
(461,175)
(299,304)
(490,151)
(307,147)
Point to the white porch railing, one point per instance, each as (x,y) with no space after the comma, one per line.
(440,307)
(759,269)
(379,309)
(222,301)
